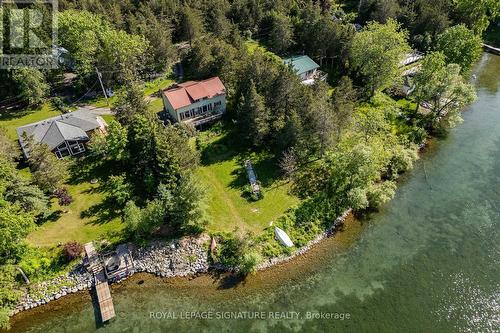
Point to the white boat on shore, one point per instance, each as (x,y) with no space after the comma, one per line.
(282,237)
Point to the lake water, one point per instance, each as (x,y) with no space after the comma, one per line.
(429,262)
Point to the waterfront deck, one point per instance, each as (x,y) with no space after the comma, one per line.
(103,293)
(105,301)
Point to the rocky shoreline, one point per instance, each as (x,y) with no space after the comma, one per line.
(184,257)
(328,233)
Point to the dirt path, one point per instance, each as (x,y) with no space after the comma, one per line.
(96,110)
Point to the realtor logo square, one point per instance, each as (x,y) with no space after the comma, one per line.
(28,34)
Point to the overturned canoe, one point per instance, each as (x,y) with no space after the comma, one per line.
(283,237)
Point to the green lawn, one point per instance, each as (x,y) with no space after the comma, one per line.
(155,104)
(68,223)
(12,120)
(89,217)
(158,84)
(108,117)
(224,177)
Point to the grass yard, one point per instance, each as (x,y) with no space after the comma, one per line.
(155,104)
(158,84)
(89,217)
(108,117)
(68,224)
(12,120)
(224,177)
(65,223)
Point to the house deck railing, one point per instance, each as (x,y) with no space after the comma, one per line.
(206,118)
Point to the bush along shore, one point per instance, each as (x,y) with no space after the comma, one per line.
(183,257)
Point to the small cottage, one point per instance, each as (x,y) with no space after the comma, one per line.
(65,135)
(306,68)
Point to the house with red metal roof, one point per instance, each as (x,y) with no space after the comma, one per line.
(195,102)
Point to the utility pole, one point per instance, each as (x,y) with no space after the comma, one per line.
(99,76)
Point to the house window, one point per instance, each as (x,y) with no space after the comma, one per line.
(217,103)
(62,151)
(77,149)
(205,108)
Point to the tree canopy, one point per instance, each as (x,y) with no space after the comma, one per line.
(443,89)
(377,52)
(460,46)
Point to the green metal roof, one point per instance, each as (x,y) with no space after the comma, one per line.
(301,64)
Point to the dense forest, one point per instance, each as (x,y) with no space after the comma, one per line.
(341,143)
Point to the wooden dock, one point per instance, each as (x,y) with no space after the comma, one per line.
(103,293)
(105,301)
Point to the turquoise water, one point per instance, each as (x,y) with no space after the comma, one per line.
(429,262)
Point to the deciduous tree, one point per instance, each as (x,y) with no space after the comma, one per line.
(48,172)
(460,46)
(15,224)
(442,88)
(377,52)
(476,14)
(32,86)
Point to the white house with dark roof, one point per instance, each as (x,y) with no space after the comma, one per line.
(65,135)
(195,102)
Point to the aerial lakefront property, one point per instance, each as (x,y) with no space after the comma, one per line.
(187,156)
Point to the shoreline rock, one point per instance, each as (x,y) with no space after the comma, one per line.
(329,232)
(187,256)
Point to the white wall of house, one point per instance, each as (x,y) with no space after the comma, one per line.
(201,107)
(168,107)
(307,75)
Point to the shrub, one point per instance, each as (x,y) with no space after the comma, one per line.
(34,263)
(64,197)
(249,262)
(72,250)
(237,251)
(4,318)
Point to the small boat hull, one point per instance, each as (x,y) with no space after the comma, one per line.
(282,237)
